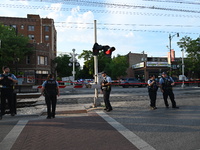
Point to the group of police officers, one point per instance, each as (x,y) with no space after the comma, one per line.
(165,83)
(50,89)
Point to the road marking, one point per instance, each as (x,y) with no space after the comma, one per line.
(11,137)
(129,135)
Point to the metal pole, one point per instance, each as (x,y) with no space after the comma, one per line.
(170,46)
(73,59)
(96,101)
(183,66)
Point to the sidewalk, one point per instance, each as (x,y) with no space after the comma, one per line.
(86,131)
(77,126)
(73,133)
(74,128)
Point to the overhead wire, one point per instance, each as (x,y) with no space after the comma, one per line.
(126,29)
(115,5)
(96,11)
(175,1)
(111,5)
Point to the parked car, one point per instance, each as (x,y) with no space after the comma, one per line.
(125,83)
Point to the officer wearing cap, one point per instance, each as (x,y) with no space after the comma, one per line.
(166,83)
(152,90)
(50,89)
(7,80)
(106,88)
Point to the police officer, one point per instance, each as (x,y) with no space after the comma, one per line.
(50,89)
(7,80)
(106,88)
(152,90)
(166,84)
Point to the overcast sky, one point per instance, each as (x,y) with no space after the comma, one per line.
(129,25)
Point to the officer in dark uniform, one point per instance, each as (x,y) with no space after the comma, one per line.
(50,89)
(152,89)
(166,84)
(7,81)
(106,89)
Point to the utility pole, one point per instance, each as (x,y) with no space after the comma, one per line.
(183,71)
(96,100)
(170,49)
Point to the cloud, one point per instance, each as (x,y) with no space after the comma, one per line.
(130,34)
(76,26)
(56,13)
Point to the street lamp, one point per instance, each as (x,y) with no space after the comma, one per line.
(170,48)
(73,62)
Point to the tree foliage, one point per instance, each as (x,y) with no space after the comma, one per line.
(62,66)
(115,67)
(192,49)
(13,46)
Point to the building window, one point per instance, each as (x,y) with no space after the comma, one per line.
(31,36)
(45,60)
(31,28)
(22,26)
(46,38)
(41,72)
(14,26)
(46,28)
(28,59)
(42,60)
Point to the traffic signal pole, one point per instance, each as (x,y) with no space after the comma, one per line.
(96,100)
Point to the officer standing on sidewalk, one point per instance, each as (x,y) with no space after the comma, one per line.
(7,80)
(152,89)
(106,88)
(50,89)
(166,84)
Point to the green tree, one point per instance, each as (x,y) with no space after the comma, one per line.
(62,67)
(13,46)
(192,48)
(119,66)
(88,67)
(115,67)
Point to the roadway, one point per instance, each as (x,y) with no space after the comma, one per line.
(161,129)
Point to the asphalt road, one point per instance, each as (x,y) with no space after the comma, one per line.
(163,129)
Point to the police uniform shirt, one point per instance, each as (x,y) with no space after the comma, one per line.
(11,75)
(149,81)
(45,82)
(108,79)
(162,80)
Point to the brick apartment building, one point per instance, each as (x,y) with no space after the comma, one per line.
(42,34)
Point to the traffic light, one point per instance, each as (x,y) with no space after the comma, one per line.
(108,50)
(96,48)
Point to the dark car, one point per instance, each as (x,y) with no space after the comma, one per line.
(125,83)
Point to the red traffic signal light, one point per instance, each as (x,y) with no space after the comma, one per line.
(108,50)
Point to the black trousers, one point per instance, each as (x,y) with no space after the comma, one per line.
(152,96)
(7,94)
(106,97)
(51,100)
(169,93)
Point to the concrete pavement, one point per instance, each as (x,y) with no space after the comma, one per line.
(131,125)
